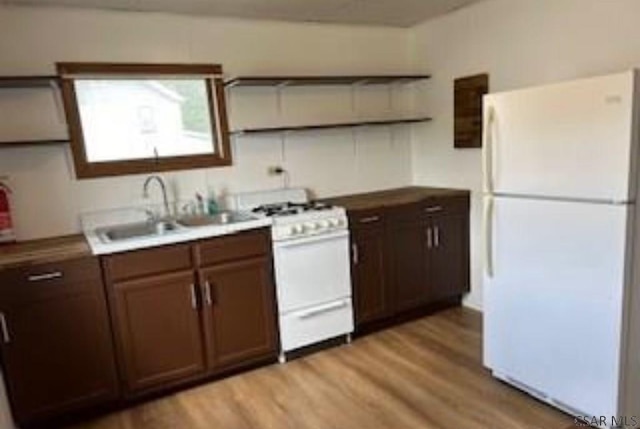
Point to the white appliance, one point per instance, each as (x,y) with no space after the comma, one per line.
(562,271)
(312,265)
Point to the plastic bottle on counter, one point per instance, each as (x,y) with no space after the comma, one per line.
(212,205)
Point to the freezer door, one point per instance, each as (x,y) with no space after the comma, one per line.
(569,140)
(553,306)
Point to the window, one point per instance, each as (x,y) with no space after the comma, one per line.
(140,118)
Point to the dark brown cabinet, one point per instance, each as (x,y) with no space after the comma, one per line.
(239,312)
(410,265)
(407,256)
(371,300)
(449,256)
(76,338)
(158,328)
(188,311)
(57,352)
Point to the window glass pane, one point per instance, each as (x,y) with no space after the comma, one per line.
(125,119)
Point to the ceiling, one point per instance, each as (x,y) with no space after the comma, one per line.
(396,13)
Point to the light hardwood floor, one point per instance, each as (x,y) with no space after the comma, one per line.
(424,374)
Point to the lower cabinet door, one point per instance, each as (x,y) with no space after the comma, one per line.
(157,324)
(369,275)
(449,257)
(240,312)
(410,266)
(56,345)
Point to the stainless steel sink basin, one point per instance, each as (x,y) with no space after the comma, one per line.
(222,218)
(136,230)
(149,229)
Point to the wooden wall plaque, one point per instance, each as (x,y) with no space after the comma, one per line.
(468,92)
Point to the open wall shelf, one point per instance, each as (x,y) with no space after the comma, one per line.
(44,142)
(281,81)
(328,126)
(28,81)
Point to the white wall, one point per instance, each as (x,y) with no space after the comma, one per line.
(47,199)
(519,43)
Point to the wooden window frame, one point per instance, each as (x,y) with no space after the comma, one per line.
(212,73)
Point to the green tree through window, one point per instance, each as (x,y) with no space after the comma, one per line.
(195,108)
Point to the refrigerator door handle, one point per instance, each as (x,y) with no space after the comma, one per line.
(488,235)
(487,153)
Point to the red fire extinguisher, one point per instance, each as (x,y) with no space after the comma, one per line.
(6,227)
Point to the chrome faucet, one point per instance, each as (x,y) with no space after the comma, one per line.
(163,188)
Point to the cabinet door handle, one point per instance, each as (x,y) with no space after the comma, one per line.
(433,209)
(356,256)
(369,219)
(6,338)
(194,297)
(207,293)
(46,276)
(436,236)
(429,238)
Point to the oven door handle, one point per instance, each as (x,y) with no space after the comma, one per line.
(322,309)
(313,239)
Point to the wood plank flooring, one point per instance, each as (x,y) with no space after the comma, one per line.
(425,374)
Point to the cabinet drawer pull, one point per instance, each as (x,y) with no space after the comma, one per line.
(321,310)
(194,298)
(354,251)
(5,329)
(369,219)
(44,277)
(207,293)
(436,236)
(429,238)
(433,209)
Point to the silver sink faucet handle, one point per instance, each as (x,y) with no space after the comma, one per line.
(151,216)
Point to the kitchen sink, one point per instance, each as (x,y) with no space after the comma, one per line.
(148,229)
(222,218)
(136,230)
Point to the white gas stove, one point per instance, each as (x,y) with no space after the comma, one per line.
(312,269)
(292,214)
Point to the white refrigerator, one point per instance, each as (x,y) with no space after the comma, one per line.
(561,282)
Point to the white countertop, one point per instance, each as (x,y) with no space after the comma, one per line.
(100,247)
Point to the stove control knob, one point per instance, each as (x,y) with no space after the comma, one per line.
(323,224)
(311,226)
(334,223)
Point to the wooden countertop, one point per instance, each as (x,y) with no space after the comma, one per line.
(393,197)
(43,251)
(75,246)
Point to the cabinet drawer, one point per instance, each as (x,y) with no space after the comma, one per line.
(445,205)
(405,213)
(44,281)
(372,218)
(232,247)
(147,262)
(312,325)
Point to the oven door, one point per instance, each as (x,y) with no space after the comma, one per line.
(312,270)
